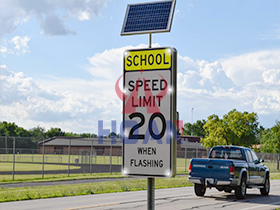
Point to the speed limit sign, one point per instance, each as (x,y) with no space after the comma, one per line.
(149,112)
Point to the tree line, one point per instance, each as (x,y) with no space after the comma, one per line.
(234,128)
(30,138)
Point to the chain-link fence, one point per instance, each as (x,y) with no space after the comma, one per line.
(86,158)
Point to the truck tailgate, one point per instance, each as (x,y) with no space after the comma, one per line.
(211,168)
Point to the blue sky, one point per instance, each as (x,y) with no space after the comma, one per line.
(61,59)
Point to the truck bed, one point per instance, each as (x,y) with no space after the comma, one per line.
(211,168)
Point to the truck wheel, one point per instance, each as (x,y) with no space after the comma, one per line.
(199,189)
(266,187)
(240,191)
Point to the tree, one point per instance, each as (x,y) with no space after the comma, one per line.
(196,128)
(235,128)
(215,132)
(21,132)
(8,129)
(38,134)
(112,134)
(54,132)
(270,139)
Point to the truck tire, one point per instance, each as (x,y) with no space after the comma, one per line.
(240,191)
(266,187)
(199,189)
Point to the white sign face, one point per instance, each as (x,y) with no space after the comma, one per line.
(148,114)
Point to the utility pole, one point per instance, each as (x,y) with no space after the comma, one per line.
(192,122)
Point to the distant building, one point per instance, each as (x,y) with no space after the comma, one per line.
(82,146)
(190,147)
(60,145)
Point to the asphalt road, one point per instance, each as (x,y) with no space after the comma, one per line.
(166,199)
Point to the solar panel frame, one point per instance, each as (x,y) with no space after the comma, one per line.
(152,28)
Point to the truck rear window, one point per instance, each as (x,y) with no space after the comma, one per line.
(226,153)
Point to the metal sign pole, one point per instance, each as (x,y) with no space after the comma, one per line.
(151,194)
(150,180)
(150,40)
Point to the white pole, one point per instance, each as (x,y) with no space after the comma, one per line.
(192,123)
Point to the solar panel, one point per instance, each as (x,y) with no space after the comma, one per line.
(148,17)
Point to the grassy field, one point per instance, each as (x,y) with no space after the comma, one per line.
(26,193)
(99,159)
(38,158)
(182,165)
(56,177)
(20,166)
(33,167)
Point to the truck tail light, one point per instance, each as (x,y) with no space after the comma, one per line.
(190,167)
(231,170)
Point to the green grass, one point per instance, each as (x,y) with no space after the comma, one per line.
(27,193)
(99,159)
(56,177)
(275,175)
(181,166)
(33,167)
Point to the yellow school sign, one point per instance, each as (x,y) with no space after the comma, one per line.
(148,59)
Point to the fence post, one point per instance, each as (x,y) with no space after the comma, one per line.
(95,155)
(69,151)
(43,161)
(278,159)
(185,159)
(6,142)
(14,157)
(33,155)
(111,157)
(91,151)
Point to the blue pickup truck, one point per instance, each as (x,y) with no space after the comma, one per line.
(229,168)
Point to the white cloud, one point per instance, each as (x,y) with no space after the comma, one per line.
(17,45)
(248,82)
(108,64)
(271,76)
(84,16)
(69,107)
(201,74)
(50,14)
(21,43)
(248,68)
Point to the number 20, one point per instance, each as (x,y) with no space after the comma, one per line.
(150,127)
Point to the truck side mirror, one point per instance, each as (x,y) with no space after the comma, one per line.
(261,160)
